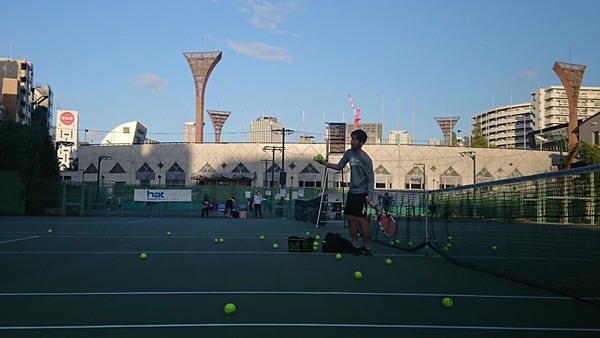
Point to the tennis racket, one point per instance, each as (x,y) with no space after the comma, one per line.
(387,224)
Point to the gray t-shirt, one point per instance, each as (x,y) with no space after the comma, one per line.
(362,179)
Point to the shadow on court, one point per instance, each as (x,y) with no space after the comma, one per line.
(85,278)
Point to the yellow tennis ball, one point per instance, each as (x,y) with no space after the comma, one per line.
(358,275)
(168,233)
(317,237)
(216,240)
(307,233)
(410,243)
(143,255)
(338,256)
(221,240)
(230,308)
(388,261)
(494,247)
(262,237)
(449,238)
(49,230)
(275,246)
(447,302)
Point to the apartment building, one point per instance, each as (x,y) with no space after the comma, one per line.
(17,91)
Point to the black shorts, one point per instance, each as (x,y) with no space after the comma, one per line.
(356,205)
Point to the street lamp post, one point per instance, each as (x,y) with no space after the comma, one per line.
(266,162)
(272,183)
(100,158)
(473,156)
(426,205)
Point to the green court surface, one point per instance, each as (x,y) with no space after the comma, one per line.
(85,278)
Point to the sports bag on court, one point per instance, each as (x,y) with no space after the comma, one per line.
(335,243)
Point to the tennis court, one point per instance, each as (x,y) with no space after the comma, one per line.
(85,278)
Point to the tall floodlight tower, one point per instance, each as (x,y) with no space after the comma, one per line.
(218,118)
(201,65)
(570,75)
(447,124)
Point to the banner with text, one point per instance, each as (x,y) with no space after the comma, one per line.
(162,195)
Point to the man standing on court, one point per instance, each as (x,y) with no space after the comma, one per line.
(256,201)
(362,188)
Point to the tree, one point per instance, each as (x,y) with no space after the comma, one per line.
(477,138)
(589,153)
(30,151)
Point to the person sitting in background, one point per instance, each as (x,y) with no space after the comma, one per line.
(337,208)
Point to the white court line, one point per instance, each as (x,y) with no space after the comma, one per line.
(19,239)
(303,293)
(141,220)
(334,325)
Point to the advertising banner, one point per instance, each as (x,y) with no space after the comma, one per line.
(162,195)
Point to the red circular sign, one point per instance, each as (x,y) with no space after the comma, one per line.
(67,118)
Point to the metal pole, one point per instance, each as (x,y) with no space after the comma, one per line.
(98,181)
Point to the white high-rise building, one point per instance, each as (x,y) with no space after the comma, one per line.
(510,126)
(506,126)
(399,137)
(262,130)
(551,106)
(189,132)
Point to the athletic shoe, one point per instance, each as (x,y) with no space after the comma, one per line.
(363,250)
(356,251)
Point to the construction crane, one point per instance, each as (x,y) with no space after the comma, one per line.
(356,111)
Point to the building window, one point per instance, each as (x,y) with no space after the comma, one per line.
(596,138)
(125,130)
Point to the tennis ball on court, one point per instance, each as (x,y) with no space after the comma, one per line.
(49,230)
(262,237)
(221,240)
(216,240)
(391,242)
(494,247)
(410,243)
(397,241)
(388,261)
(447,302)
(315,248)
(358,275)
(307,233)
(446,248)
(275,246)
(168,233)
(230,309)
(449,238)
(317,237)
(449,245)
(143,255)
(338,256)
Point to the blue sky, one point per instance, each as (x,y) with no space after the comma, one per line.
(404,62)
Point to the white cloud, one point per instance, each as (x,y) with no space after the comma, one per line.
(267,14)
(261,51)
(152,82)
(528,74)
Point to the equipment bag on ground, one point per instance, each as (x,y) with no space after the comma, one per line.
(335,243)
